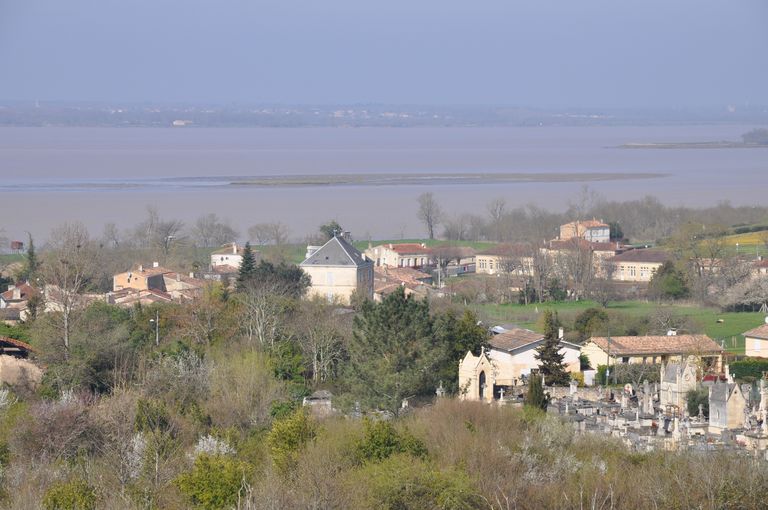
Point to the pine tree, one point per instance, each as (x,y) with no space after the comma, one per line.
(247,267)
(548,354)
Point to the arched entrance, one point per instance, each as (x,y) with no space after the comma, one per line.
(481,385)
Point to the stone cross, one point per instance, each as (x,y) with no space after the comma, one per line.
(573,387)
(623,400)
(501,393)
(701,412)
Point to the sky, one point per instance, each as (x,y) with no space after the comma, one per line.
(531,53)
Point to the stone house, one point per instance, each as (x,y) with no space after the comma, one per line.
(15,301)
(513,259)
(591,230)
(637,265)
(337,270)
(756,341)
(400,255)
(653,349)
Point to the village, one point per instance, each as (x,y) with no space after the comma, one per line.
(645,415)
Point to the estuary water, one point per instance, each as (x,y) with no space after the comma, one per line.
(366,178)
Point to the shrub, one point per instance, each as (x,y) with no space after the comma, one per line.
(214,482)
(535,396)
(402,481)
(287,437)
(696,397)
(71,495)
(749,368)
(381,440)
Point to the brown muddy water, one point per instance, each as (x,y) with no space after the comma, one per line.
(366,178)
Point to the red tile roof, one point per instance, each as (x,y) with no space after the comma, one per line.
(657,344)
(407,248)
(588,224)
(759,332)
(4,340)
(25,288)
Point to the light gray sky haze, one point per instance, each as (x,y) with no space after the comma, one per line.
(547,53)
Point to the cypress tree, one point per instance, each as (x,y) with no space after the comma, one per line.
(535,396)
(247,267)
(32,264)
(548,354)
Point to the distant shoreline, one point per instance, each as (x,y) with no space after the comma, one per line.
(693,145)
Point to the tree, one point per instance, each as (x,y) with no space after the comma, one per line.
(458,335)
(548,354)
(321,339)
(288,437)
(616,233)
(247,267)
(535,396)
(31,264)
(429,212)
(330,229)
(668,282)
(590,321)
(210,231)
(216,481)
(265,233)
(393,353)
(69,264)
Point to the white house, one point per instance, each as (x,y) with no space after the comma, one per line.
(337,271)
(229,255)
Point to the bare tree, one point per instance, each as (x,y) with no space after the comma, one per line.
(209,231)
(496,212)
(429,212)
(261,312)
(321,339)
(68,265)
(111,236)
(266,233)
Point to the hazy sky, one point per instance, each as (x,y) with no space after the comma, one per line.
(517,52)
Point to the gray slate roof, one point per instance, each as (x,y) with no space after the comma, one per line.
(337,252)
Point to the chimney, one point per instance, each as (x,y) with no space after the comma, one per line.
(141,268)
(11,286)
(191,275)
(390,246)
(234,248)
(560,333)
(16,293)
(155,264)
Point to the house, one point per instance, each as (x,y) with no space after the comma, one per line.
(387,280)
(15,302)
(15,366)
(401,255)
(230,255)
(338,270)
(590,230)
(637,265)
(726,406)
(756,341)
(653,349)
(760,267)
(510,356)
(676,380)
(513,259)
(141,278)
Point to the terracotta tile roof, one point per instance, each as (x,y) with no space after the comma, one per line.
(508,250)
(12,342)
(642,255)
(658,344)
(758,332)
(587,224)
(762,263)
(401,274)
(408,248)
(25,288)
(227,250)
(225,269)
(514,339)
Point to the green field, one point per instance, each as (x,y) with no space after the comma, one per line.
(704,320)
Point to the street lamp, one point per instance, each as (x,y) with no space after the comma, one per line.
(156,322)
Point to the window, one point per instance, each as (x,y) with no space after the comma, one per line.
(329,278)
(625,359)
